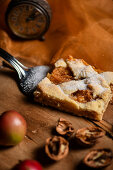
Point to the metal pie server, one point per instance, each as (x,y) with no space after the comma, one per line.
(28,77)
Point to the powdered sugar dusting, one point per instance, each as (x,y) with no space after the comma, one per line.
(86,72)
(98,84)
(80,70)
(73,86)
(60,63)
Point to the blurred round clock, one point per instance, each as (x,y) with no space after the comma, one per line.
(28,19)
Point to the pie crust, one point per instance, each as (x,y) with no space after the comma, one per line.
(76,87)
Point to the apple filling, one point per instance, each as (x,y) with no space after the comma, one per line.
(60,75)
(64,77)
(82,96)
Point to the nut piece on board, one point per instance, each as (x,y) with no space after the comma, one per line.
(98,158)
(56,147)
(64,127)
(89,135)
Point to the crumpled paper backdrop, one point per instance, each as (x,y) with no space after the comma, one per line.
(82,28)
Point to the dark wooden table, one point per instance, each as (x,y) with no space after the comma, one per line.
(41,122)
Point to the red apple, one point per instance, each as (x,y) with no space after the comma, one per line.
(12,128)
(29,165)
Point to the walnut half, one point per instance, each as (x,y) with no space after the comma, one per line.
(89,135)
(64,127)
(98,158)
(56,147)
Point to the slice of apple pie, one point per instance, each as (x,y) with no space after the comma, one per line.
(76,87)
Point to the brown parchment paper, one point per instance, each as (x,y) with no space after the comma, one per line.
(83,28)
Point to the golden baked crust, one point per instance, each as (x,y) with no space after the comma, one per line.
(86,94)
(108,76)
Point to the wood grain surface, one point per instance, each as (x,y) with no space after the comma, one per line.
(41,123)
(82,28)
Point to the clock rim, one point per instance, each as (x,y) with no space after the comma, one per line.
(48,19)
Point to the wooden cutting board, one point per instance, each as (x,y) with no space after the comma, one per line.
(84,30)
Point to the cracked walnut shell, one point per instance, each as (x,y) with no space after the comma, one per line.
(64,127)
(56,147)
(98,158)
(89,135)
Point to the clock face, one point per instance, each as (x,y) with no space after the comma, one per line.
(27,21)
